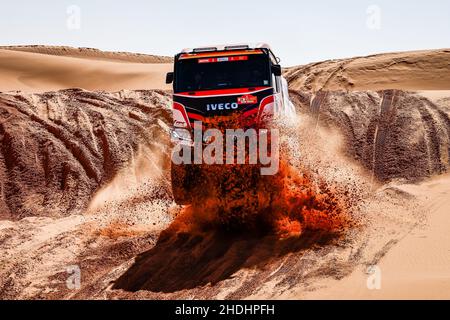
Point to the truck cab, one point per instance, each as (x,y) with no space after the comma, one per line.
(240,82)
(228,80)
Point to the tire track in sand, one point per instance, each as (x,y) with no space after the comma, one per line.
(385,119)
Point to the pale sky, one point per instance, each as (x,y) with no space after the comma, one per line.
(298,31)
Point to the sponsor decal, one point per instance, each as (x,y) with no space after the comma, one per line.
(221,106)
(206,60)
(181,124)
(247,99)
(223,59)
(239,58)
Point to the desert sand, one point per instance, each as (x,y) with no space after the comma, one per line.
(85,183)
(90,53)
(416,266)
(416,70)
(40,69)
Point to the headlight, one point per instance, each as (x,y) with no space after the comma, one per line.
(180,135)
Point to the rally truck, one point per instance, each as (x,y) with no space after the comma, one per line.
(241,82)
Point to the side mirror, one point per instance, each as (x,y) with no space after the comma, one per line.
(276,70)
(169,77)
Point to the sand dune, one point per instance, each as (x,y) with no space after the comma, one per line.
(41,69)
(58,148)
(84,181)
(45,68)
(106,207)
(90,53)
(415,70)
(414,266)
(394,134)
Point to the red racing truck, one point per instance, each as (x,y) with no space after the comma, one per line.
(219,82)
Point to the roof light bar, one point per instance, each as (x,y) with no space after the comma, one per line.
(206,49)
(237,47)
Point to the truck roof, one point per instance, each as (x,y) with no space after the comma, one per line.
(227,47)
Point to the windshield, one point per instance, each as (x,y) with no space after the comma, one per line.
(217,73)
